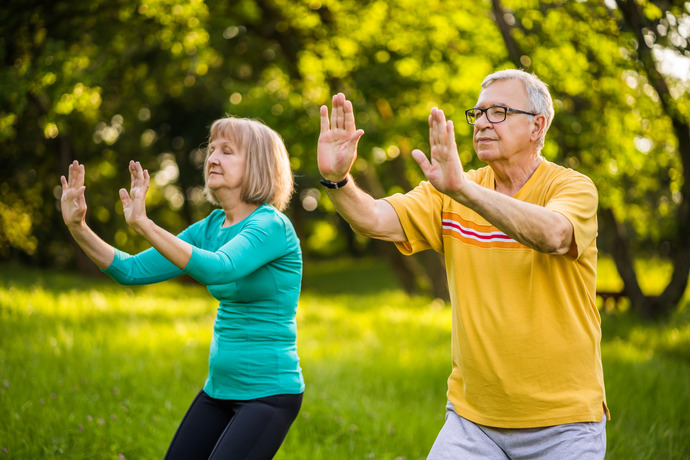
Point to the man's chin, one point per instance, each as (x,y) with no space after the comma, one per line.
(486,155)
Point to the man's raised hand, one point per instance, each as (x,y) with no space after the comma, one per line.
(337,148)
(444,169)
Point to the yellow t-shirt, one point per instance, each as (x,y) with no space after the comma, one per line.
(525,342)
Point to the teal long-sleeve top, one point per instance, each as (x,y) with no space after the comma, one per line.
(254,268)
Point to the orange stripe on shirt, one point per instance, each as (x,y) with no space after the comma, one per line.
(484,236)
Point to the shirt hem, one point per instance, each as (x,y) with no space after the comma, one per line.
(249,396)
(536,423)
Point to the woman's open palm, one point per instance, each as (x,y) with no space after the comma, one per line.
(73,199)
(134,202)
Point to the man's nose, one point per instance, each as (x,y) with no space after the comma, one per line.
(482,121)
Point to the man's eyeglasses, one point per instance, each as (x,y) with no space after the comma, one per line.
(494,114)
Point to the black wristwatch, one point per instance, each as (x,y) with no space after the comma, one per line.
(334,185)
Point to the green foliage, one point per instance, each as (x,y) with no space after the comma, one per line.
(609,121)
(105,82)
(89,369)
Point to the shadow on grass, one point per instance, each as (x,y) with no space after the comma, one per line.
(348,276)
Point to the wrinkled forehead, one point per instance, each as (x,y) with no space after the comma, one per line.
(507,93)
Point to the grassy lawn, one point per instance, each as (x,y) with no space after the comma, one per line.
(93,370)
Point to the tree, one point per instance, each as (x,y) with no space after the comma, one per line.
(634,106)
(105,82)
(83,78)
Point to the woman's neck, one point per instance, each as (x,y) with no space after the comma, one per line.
(237,212)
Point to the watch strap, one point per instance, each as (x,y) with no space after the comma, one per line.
(334,185)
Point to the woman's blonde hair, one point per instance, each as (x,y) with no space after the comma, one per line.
(268,178)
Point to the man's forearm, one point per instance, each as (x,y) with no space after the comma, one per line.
(366,215)
(534,226)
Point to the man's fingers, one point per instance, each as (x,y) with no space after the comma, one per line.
(323,112)
(450,135)
(421,159)
(434,136)
(354,137)
(334,111)
(438,125)
(349,121)
(340,113)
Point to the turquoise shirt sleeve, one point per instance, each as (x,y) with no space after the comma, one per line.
(147,267)
(260,241)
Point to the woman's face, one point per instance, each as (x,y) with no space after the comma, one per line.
(225,167)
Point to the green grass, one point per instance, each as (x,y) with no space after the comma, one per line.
(93,370)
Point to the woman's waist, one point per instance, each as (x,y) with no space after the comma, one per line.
(255,333)
(254,356)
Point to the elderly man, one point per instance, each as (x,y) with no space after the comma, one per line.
(519,241)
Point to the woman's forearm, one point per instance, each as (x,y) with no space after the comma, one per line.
(170,246)
(100,252)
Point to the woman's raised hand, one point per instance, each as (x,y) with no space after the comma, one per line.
(73,199)
(134,202)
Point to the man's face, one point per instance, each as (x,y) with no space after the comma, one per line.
(511,138)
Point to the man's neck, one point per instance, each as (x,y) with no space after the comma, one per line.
(510,178)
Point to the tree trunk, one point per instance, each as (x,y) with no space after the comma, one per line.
(611,229)
(644,305)
(183,164)
(636,20)
(418,272)
(433,263)
(514,52)
(615,235)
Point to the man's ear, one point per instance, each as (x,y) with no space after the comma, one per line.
(539,126)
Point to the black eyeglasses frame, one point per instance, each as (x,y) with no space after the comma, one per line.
(485,112)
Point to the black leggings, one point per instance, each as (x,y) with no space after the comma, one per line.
(216,429)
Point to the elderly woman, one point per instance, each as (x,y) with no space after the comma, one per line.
(249,257)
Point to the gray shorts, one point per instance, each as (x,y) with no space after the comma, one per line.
(461,439)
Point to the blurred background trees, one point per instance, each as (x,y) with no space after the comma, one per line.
(106,82)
